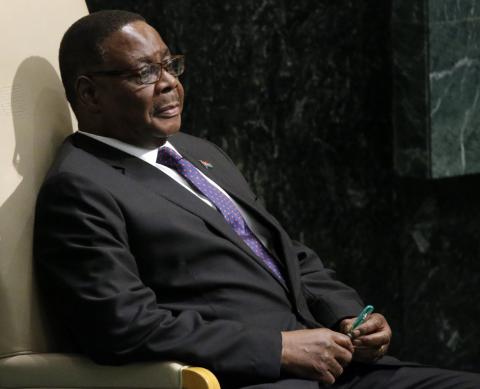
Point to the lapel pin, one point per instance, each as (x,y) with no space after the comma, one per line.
(206,164)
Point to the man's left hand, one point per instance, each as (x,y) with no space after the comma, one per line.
(371,339)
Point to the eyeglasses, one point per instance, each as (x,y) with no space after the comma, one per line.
(150,73)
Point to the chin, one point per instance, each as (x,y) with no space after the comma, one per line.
(167,129)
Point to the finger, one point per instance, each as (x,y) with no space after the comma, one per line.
(366,355)
(346,324)
(375,340)
(335,368)
(327,378)
(373,324)
(383,350)
(343,341)
(369,354)
(343,356)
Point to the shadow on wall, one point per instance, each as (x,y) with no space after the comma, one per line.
(41,120)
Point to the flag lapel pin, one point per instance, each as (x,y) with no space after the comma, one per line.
(206,164)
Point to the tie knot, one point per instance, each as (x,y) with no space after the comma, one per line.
(168,157)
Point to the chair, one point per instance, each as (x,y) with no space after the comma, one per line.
(34,118)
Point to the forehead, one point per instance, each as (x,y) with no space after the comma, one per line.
(134,43)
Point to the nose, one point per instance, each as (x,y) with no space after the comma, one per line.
(166,83)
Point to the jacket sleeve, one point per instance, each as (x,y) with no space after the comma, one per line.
(90,276)
(328,299)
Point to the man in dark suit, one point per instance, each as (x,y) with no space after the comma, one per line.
(151,245)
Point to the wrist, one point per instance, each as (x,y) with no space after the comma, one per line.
(284,353)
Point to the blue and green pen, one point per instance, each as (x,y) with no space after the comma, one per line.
(360,319)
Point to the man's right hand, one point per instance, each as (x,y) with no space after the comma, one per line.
(318,354)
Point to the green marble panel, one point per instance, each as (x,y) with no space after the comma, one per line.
(436,88)
(410,96)
(454,86)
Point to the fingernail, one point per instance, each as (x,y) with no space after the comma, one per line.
(356,333)
(357,342)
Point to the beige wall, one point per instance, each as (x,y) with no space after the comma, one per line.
(34,118)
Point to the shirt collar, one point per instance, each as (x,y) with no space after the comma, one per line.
(148,155)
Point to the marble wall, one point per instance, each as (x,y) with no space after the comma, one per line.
(299,94)
(436,45)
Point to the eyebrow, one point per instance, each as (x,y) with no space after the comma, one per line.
(148,58)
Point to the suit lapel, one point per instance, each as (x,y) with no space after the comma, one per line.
(233,190)
(161,184)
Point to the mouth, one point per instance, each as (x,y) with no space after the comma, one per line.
(167,111)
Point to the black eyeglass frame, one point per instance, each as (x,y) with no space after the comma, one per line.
(135,72)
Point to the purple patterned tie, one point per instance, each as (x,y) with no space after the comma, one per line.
(168,157)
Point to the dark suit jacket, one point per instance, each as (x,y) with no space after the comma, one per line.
(141,269)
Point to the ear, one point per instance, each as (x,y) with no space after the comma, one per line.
(87,94)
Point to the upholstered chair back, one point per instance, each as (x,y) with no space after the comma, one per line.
(34,118)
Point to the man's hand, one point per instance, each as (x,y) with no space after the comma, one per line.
(318,354)
(371,339)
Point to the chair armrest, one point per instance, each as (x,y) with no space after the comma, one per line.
(56,371)
(198,378)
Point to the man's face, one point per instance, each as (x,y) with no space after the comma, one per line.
(142,115)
